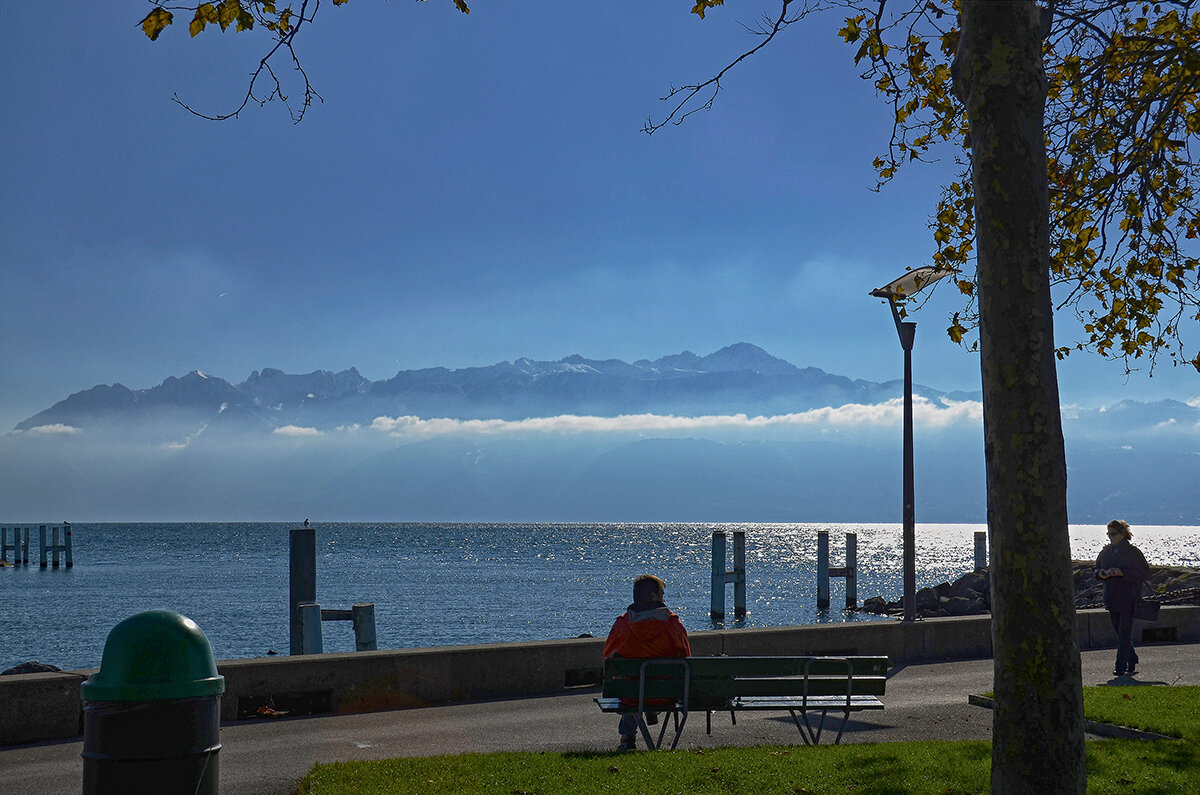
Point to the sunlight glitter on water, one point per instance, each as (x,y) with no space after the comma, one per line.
(451,584)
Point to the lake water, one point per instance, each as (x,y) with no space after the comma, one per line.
(452,584)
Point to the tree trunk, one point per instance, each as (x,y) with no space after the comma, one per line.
(1038,731)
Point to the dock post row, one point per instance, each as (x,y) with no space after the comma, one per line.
(52,554)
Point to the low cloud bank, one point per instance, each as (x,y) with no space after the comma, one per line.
(296,430)
(57,429)
(925,413)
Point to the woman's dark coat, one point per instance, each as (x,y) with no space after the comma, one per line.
(1121,593)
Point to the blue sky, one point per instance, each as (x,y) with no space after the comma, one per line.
(473,189)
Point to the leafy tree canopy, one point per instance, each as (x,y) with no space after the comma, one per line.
(1122,113)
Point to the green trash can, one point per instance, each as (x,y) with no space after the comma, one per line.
(152,714)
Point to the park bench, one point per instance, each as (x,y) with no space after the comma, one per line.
(801,686)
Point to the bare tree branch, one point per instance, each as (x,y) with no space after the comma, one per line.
(713,84)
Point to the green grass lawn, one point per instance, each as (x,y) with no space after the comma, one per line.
(1123,766)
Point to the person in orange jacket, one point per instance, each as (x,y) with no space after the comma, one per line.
(647,628)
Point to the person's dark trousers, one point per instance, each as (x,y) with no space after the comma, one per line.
(628,725)
(1122,624)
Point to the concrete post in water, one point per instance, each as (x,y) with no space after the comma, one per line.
(739,573)
(981,561)
(310,628)
(302,582)
(67,544)
(720,576)
(42,543)
(851,570)
(25,554)
(825,571)
(364,627)
(4,546)
(822,569)
(55,546)
(717,611)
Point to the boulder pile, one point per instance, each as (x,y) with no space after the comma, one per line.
(970,594)
(33,667)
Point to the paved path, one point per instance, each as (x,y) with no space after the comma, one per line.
(927,701)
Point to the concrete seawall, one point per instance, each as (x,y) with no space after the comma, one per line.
(47,706)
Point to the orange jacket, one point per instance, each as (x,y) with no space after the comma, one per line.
(648,633)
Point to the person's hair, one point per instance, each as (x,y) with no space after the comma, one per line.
(1122,525)
(647,586)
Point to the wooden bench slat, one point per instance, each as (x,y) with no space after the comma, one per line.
(654,689)
(729,688)
(745,667)
(796,702)
(754,666)
(709,690)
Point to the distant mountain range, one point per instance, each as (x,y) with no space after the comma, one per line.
(739,378)
(459,445)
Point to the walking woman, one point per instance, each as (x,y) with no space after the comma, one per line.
(1122,568)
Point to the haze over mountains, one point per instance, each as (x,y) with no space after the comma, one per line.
(737,435)
(741,378)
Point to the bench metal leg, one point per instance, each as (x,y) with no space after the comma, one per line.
(678,728)
(676,720)
(813,736)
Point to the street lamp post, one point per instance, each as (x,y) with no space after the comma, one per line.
(896,292)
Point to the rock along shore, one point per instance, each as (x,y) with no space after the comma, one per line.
(971,593)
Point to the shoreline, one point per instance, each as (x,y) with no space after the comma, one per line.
(969,595)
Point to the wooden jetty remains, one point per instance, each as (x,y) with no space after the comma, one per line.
(53,554)
(305,614)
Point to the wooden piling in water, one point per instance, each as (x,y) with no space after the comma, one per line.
(302,582)
(309,614)
(14,546)
(49,553)
(720,577)
(825,571)
(305,614)
(364,627)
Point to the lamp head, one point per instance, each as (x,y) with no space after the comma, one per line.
(911,283)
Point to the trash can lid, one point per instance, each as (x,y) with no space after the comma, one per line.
(155,656)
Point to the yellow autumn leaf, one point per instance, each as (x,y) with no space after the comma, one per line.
(227,13)
(155,21)
(204,14)
(852,30)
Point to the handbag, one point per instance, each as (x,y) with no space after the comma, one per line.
(1146,611)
